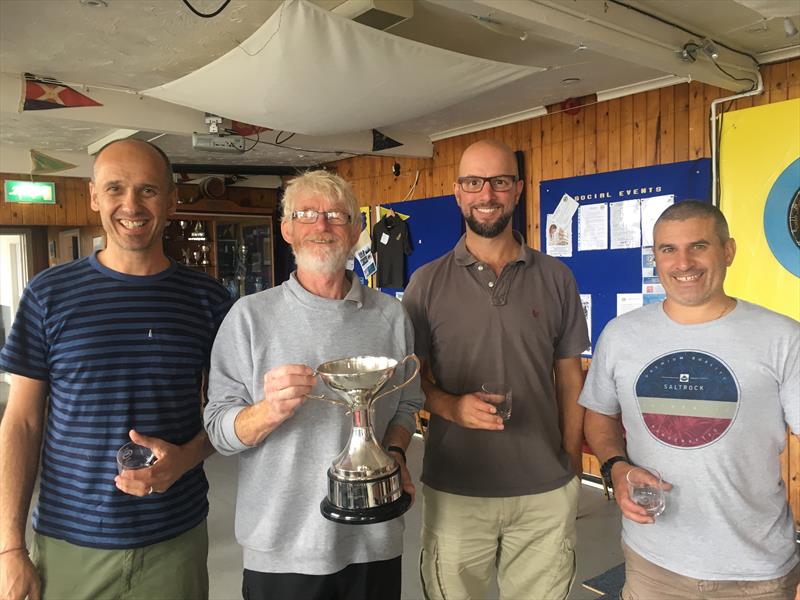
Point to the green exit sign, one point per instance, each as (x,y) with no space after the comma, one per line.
(31,192)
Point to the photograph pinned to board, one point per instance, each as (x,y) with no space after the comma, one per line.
(559,239)
(626,230)
(593,227)
(648,262)
(562,216)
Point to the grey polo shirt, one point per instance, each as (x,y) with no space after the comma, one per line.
(474,327)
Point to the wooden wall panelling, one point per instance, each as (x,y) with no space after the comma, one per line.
(681,122)
(666,99)
(557,142)
(546,138)
(567,145)
(696,120)
(603,126)
(534,177)
(590,139)
(793,79)
(652,128)
(579,142)
(626,133)
(615,134)
(641,157)
(778,75)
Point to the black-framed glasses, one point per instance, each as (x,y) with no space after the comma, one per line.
(334,217)
(499,183)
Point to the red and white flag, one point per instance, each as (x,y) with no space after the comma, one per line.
(44,93)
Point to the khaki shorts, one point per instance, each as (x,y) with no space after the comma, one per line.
(647,581)
(171,570)
(530,540)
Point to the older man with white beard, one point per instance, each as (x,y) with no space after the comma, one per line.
(261,372)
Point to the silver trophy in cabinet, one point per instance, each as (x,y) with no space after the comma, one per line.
(364,483)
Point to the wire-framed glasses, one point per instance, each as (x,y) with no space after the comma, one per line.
(474,184)
(334,217)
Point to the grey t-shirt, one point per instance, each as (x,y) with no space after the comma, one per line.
(706,405)
(474,328)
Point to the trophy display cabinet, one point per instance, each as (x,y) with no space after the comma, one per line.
(236,250)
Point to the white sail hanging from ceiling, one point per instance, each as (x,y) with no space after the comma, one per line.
(309,71)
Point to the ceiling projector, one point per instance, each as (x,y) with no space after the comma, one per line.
(218,142)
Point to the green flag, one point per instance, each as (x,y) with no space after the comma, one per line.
(42,163)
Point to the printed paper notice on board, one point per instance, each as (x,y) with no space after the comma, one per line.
(628,302)
(651,210)
(593,227)
(564,211)
(626,230)
(586,303)
(559,240)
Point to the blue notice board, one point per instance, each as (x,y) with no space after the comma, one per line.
(605,273)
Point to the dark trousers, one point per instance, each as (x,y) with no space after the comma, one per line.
(379,580)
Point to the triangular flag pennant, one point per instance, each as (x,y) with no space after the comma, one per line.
(382,142)
(42,163)
(44,93)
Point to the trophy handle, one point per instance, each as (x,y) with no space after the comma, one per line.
(406,382)
(326,399)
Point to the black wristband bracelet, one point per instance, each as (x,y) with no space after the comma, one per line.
(399,450)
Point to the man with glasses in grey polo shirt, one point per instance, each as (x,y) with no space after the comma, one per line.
(498,494)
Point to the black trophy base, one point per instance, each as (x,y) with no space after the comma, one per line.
(366,516)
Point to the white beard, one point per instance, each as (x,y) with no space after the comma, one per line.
(332,261)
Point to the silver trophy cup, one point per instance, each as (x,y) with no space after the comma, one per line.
(364,481)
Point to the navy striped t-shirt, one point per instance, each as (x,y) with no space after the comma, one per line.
(119,352)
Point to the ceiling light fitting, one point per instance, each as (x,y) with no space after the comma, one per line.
(94,3)
(688,53)
(789,27)
(710,49)
(500,28)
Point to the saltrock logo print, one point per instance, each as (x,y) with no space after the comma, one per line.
(687,399)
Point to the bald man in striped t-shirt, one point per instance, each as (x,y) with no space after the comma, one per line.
(104,350)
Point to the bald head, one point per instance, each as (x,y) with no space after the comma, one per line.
(488,151)
(137,146)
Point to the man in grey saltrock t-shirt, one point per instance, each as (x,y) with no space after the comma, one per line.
(259,379)
(704,386)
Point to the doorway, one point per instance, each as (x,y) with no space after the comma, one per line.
(15,260)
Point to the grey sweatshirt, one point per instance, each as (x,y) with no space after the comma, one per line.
(283,479)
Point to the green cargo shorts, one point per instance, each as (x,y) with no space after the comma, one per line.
(171,570)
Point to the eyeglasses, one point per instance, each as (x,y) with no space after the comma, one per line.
(334,217)
(474,184)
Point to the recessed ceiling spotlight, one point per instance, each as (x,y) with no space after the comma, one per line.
(95,3)
(570,81)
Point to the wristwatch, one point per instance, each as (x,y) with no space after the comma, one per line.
(605,469)
(397,449)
